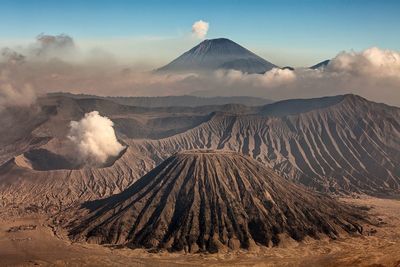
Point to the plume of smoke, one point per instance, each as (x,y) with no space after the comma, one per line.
(94,139)
(200,29)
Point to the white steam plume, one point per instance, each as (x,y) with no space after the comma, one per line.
(94,139)
(200,29)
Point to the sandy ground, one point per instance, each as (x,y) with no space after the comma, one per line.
(40,247)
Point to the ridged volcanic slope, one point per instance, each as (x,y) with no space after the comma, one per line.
(352,145)
(211,201)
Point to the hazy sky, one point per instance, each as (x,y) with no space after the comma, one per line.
(296,33)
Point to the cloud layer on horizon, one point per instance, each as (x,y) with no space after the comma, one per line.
(373,73)
(373,61)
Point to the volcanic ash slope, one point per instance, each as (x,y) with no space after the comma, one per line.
(208,200)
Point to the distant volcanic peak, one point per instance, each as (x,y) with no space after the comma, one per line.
(219,46)
(220,53)
(222,41)
(211,201)
(320,65)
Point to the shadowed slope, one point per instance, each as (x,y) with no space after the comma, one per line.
(210,201)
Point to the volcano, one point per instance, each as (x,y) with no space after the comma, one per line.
(208,200)
(215,54)
(321,65)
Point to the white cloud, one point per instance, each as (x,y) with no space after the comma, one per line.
(373,61)
(274,77)
(373,73)
(94,139)
(200,29)
(277,77)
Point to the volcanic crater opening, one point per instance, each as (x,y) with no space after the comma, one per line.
(45,160)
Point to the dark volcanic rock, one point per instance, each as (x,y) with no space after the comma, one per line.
(209,201)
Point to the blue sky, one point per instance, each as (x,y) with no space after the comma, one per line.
(284,32)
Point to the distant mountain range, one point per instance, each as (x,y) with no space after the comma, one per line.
(219,53)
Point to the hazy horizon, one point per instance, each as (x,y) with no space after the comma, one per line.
(111,48)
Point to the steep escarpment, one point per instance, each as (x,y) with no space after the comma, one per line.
(343,145)
(210,201)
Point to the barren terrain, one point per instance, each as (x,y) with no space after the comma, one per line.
(343,146)
(41,247)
